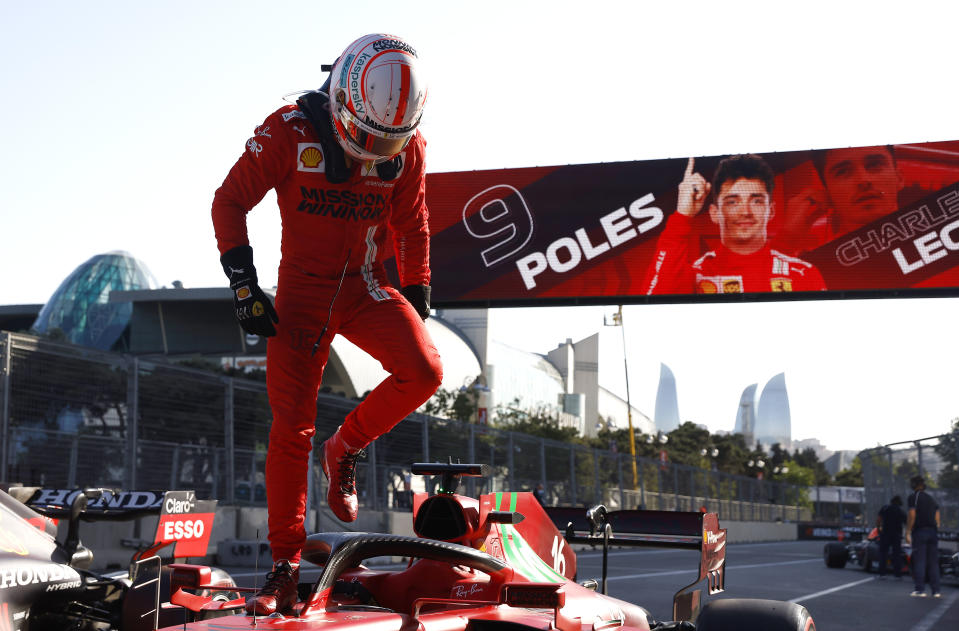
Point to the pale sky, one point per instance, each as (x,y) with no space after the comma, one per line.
(123,118)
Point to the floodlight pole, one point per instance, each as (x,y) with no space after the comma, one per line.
(618,321)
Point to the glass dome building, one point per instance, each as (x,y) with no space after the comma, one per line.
(80,306)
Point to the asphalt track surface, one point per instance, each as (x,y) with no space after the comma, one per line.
(793,571)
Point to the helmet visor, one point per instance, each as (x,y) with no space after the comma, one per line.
(371,143)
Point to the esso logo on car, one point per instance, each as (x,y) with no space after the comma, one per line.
(183,529)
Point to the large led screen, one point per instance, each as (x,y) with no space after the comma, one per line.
(790,225)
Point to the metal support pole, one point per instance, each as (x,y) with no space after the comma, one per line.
(572,474)
(619,480)
(5,408)
(133,415)
(492,464)
(216,472)
(174,467)
(509,461)
(642,484)
(692,490)
(373,479)
(542,462)
(471,482)
(74,459)
(862,505)
(229,440)
(426,438)
(740,498)
(676,485)
(597,490)
(659,487)
(839,489)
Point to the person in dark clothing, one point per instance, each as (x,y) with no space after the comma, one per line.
(540,494)
(890,521)
(922,530)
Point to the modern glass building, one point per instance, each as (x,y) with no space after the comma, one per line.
(81,307)
(667,403)
(773,424)
(746,414)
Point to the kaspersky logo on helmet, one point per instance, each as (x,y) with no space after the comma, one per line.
(355,73)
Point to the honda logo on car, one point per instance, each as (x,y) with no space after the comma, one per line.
(44,573)
(107,500)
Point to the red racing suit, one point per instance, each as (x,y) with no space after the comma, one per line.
(722,271)
(331,280)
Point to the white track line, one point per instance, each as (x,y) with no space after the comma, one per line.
(831,590)
(930,619)
(693,571)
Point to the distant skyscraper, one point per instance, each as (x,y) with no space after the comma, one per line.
(667,405)
(773,423)
(746,415)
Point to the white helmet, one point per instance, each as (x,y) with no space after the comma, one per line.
(376,97)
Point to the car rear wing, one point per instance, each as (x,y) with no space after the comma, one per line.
(103,504)
(647,528)
(183,520)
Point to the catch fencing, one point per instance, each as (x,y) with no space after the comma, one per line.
(888,469)
(75,417)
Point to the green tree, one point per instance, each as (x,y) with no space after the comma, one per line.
(851,476)
(685,444)
(733,453)
(533,422)
(807,458)
(459,404)
(948,450)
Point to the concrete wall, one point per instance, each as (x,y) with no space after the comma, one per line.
(753,531)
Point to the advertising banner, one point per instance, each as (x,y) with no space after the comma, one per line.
(791,225)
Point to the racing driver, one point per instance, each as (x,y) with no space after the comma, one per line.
(347,164)
(743,262)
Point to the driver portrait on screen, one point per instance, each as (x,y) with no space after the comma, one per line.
(743,262)
(859,186)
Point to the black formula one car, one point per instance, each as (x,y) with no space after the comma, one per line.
(860,546)
(46,584)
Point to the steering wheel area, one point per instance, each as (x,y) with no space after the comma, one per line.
(338,552)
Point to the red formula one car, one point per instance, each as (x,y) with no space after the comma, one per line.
(497,563)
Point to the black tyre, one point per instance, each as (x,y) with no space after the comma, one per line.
(749,614)
(835,554)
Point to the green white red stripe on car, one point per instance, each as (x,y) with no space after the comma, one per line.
(520,555)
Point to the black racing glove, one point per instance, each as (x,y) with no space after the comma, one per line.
(419,297)
(254,311)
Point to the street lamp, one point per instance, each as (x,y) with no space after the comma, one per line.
(618,321)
